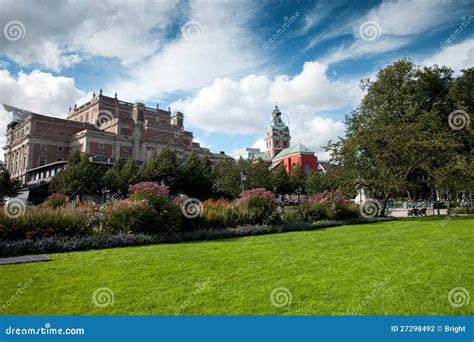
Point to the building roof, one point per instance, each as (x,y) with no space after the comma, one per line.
(274,165)
(262,155)
(298,148)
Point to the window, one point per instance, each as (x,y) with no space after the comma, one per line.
(42,160)
(44,147)
(284,143)
(59,159)
(101,146)
(60,148)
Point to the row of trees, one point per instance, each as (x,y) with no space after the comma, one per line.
(411,134)
(197,177)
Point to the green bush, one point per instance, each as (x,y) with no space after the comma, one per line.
(43,222)
(167,215)
(220,213)
(55,200)
(125,216)
(258,210)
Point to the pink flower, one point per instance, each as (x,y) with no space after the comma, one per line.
(152,188)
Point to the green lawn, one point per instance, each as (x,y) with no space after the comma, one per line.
(399,267)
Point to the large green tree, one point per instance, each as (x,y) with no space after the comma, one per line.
(163,167)
(121,175)
(81,177)
(226,179)
(196,181)
(399,136)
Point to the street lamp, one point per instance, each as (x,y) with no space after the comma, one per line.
(243,178)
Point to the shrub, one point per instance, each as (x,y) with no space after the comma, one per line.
(148,188)
(125,216)
(257,206)
(167,216)
(43,222)
(220,213)
(328,205)
(55,200)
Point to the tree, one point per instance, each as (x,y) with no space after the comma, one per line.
(8,187)
(163,167)
(298,180)
(226,179)
(81,177)
(281,181)
(399,135)
(121,175)
(196,180)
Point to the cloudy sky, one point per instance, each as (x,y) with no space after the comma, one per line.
(224,64)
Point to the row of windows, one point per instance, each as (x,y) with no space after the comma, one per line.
(17,135)
(276,143)
(44,174)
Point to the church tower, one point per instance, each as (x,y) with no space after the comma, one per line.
(278,135)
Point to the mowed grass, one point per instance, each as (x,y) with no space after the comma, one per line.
(391,268)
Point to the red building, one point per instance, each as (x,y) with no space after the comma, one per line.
(279,151)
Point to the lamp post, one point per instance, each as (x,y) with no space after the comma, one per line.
(243,178)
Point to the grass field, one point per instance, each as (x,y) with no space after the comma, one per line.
(398,268)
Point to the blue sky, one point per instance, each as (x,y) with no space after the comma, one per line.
(224,64)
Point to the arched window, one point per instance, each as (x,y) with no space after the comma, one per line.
(307,169)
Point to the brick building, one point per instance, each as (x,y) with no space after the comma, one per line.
(105,128)
(279,151)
